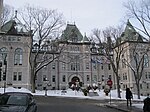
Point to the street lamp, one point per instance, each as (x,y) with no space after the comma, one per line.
(99,85)
(5,63)
(46,85)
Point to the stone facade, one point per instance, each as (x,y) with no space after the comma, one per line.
(1,9)
(14,56)
(80,62)
(135,56)
(76,64)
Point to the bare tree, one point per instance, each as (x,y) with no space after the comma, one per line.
(138,61)
(44,27)
(111,49)
(8,13)
(140,13)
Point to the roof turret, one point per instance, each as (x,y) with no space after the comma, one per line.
(72,34)
(14,26)
(130,34)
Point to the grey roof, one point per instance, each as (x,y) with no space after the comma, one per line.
(72,32)
(130,34)
(14,27)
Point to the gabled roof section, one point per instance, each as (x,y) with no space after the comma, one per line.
(14,27)
(85,39)
(9,27)
(72,34)
(130,34)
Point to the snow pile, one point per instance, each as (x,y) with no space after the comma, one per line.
(77,94)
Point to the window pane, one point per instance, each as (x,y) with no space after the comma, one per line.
(18,56)
(19,76)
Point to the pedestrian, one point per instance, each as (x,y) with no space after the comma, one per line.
(146,107)
(129,96)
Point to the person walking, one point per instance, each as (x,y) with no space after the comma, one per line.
(146,107)
(129,96)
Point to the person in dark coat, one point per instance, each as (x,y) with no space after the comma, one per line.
(146,107)
(129,96)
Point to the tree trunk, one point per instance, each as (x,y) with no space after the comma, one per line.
(138,90)
(118,87)
(32,81)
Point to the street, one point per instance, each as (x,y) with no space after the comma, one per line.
(59,104)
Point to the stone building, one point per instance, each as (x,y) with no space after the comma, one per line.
(79,63)
(1,10)
(134,58)
(14,55)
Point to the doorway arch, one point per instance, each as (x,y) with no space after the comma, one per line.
(74,80)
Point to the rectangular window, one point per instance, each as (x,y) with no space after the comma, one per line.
(141,87)
(4,77)
(109,77)
(19,76)
(87,65)
(94,65)
(102,77)
(75,66)
(53,78)
(102,67)
(146,61)
(146,75)
(44,78)
(88,78)
(95,78)
(63,66)
(15,76)
(64,78)
(109,67)
(53,66)
(147,86)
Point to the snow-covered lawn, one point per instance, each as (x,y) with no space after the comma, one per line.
(79,94)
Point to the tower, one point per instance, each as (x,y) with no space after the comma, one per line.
(1,10)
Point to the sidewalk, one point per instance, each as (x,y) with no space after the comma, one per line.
(123,107)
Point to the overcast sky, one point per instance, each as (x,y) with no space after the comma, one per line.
(87,14)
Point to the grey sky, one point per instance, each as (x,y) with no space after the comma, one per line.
(87,14)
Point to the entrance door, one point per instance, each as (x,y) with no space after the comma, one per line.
(74,81)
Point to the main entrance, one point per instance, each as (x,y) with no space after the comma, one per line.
(74,81)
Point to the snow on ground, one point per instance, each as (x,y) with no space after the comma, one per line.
(78,94)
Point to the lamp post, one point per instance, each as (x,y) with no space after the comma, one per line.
(46,85)
(99,85)
(5,63)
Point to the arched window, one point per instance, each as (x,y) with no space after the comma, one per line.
(146,61)
(3,53)
(18,56)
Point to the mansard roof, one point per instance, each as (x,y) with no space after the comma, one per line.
(72,34)
(14,27)
(130,34)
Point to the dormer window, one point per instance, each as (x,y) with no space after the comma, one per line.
(74,39)
(73,36)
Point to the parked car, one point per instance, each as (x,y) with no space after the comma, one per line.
(17,102)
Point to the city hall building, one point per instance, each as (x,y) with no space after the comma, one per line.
(80,62)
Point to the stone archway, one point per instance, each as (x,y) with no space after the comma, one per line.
(74,81)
